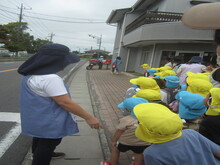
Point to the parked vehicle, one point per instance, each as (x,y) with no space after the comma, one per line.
(93,62)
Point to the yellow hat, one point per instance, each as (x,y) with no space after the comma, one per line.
(166,73)
(199,86)
(214,107)
(149,94)
(157,124)
(192,76)
(163,68)
(145,83)
(145,66)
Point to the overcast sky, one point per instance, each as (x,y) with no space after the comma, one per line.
(81,17)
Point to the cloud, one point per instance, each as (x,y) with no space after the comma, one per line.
(74,35)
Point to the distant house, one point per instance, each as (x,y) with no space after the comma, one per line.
(151,31)
(93,53)
(4,51)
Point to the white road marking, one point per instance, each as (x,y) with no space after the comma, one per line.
(13,134)
(67,75)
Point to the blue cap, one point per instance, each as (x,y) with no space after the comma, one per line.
(191,105)
(130,103)
(151,71)
(172,81)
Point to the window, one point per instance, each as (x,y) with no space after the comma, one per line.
(166,55)
(145,56)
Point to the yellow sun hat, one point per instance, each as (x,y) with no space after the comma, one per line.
(199,86)
(145,83)
(192,76)
(163,68)
(145,66)
(148,94)
(214,107)
(166,73)
(157,124)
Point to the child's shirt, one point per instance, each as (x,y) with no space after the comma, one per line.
(129,124)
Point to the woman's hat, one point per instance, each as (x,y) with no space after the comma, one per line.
(203,16)
(214,107)
(145,83)
(191,105)
(196,59)
(51,58)
(130,103)
(157,124)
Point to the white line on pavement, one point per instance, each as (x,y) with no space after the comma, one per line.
(13,134)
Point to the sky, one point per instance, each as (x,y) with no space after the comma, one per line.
(68,22)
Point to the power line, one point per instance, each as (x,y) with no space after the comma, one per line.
(51,19)
(86,19)
(60,20)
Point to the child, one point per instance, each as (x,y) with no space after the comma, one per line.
(210,125)
(124,138)
(171,145)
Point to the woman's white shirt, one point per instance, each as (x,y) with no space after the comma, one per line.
(47,85)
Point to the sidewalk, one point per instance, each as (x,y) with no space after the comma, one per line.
(98,92)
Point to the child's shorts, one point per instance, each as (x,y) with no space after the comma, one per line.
(135,149)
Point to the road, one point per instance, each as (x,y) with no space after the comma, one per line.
(13,145)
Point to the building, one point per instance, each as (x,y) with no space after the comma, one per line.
(94,53)
(4,51)
(151,31)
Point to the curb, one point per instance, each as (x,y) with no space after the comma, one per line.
(101,132)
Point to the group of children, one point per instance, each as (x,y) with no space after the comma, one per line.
(172,113)
(157,107)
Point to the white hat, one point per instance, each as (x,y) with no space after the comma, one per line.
(203,16)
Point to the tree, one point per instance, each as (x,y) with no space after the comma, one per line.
(16,39)
(16,36)
(3,34)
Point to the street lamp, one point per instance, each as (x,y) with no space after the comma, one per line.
(99,41)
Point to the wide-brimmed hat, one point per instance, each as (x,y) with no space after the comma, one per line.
(203,16)
(214,107)
(51,58)
(191,105)
(157,124)
(196,59)
(130,103)
(145,83)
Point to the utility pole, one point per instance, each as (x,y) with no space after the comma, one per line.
(99,42)
(51,36)
(21,12)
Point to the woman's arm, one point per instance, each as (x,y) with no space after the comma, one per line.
(68,104)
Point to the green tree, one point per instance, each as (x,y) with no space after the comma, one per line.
(16,36)
(3,34)
(16,39)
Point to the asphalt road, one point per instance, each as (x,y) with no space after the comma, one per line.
(13,145)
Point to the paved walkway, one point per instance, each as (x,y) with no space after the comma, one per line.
(99,92)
